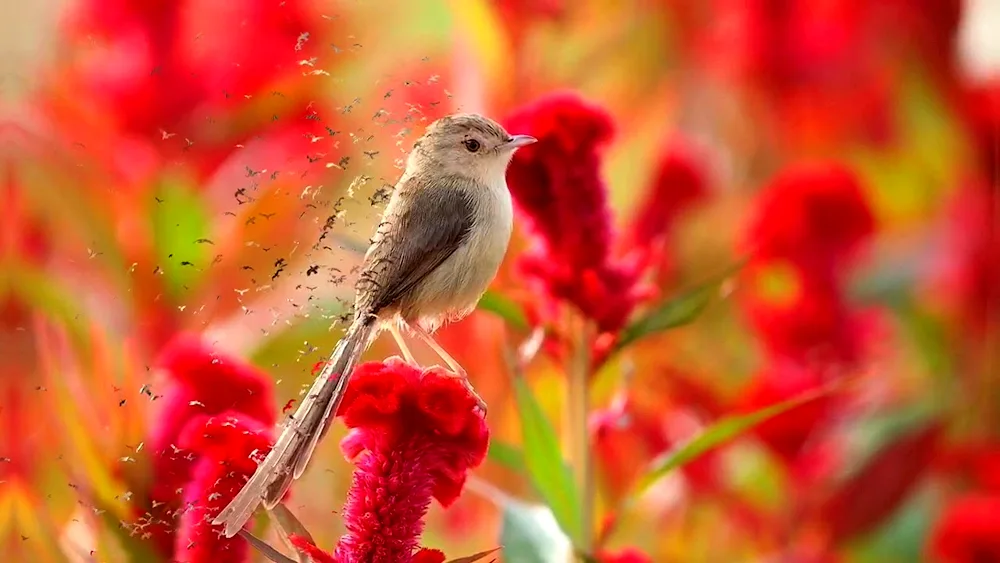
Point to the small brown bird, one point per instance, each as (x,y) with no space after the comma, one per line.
(437,248)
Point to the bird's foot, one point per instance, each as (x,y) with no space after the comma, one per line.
(464,377)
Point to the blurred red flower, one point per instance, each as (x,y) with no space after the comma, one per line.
(815,215)
(184,78)
(980,104)
(200,383)
(788,433)
(227,448)
(625,438)
(414,436)
(629,555)
(558,189)
(973,256)
(968,530)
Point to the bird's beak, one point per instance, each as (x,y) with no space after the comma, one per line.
(518,141)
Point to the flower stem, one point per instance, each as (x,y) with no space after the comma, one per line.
(579,403)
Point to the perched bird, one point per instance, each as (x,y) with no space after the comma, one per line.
(437,248)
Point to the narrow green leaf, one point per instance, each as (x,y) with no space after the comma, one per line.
(179,218)
(475,556)
(681,310)
(504,308)
(506,455)
(530,534)
(544,461)
(717,434)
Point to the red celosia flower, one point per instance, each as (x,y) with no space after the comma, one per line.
(968,531)
(200,383)
(787,433)
(227,448)
(169,75)
(981,106)
(972,274)
(629,555)
(815,215)
(414,436)
(558,188)
(801,315)
(626,437)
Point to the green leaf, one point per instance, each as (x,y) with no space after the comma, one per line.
(681,310)
(543,458)
(179,217)
(506,455)
(475,556)
(717,434)
(504,308)
(530,534)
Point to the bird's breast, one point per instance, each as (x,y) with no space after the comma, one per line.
(453,289)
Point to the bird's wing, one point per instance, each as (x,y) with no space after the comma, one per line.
(415,238)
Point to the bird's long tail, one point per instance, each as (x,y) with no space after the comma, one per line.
(290,455)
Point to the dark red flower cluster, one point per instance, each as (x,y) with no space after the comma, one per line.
(186,78)
(828,69)
(227,449)
(968,530)
(558,188)
(626,436)
(807,226)
(630,555)
(414,437)
(200,384)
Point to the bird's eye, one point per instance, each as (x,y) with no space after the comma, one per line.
(471,144)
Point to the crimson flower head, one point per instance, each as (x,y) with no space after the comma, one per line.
(630,555)
(227,448)
(788,433)
(558,188)
(200,383)
(813,214)
(413,437)
(968,531)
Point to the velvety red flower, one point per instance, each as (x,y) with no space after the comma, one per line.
(802,315)
(816,64)
(980,105)
(200,382)
(414,436)
(972,273)
(625,438)
(968,530)
(177,81)
(558,189)
(815,215)
(788,433)
(630,555)
(227,448)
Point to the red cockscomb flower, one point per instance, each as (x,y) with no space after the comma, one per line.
(558,188)
(200,383)
(968,531)
(815,215)
(630,555)
(414,436)
(227,448)
(787,433)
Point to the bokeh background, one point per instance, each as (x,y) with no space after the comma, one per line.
(802,198)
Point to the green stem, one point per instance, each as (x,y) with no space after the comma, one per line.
(579,395)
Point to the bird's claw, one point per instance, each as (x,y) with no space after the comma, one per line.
(464,377)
